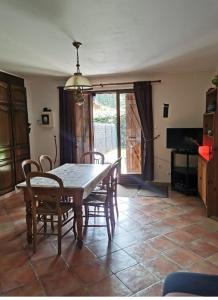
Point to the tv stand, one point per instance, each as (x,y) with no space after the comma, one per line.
(184,176)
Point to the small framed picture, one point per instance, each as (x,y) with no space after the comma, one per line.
(45,119)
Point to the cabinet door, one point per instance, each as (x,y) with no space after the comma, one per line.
(202,179)
(6,171)
(200,176)
(20,129)
(6,142)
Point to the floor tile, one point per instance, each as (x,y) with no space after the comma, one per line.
(50,265)
(204,267)
(74,256)
(12,260)
(161,243)
(136,278)
(213,259)
(161,266)
(180,237)
(32,289)
(182,257)
(202,248)
(118,261)
(209,224)
(103,247)
(212,238)
(196,230)
(141,252)
(91,272)
(162,228)
(110,286)
(15,278)
(44,249)
(61,283)
(154,290)
(125,240)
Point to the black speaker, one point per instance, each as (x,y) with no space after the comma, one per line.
(165,110)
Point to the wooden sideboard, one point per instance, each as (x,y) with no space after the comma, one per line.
(14,131)
(208,155)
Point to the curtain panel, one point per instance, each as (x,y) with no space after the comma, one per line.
(66,125)
(143,96)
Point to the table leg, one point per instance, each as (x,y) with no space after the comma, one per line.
(28,216)
(79,219)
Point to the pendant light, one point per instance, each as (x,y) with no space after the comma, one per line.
(77,83)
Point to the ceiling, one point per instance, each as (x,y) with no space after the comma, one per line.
(118,36)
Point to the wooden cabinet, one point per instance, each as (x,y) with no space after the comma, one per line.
(202,177)
(208,156)
(14,131)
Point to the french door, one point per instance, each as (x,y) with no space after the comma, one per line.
(116,129)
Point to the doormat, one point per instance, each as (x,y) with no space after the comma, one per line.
(148,189)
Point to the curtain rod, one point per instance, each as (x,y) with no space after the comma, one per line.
(122,83)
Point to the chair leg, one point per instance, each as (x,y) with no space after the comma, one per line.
(45,224)
(52,223)
(74,225)
(59,234)
(116,204)
(107,221)
(34,233)
(86,215)
(111,214)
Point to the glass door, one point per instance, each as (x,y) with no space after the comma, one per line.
(116,129)
(105,125)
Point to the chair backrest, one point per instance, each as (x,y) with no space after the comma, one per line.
(48,196)
(115,168)
(43,159)
(27,166)
(92,157)
(112,178)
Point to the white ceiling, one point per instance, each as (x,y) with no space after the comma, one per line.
(118,36)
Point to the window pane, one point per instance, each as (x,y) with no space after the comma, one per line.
(105,125)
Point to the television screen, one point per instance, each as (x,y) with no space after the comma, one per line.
(184,139)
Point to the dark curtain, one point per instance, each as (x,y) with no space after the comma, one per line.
(67,138)
(143,96)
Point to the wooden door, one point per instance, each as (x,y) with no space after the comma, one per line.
(6,142)
(20,129)
(133,136)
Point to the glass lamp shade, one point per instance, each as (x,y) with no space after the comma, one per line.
(78,81)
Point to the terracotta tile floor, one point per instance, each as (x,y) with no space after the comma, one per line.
(153,236)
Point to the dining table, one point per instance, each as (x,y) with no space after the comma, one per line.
(79,180)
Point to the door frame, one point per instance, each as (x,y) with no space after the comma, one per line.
(123,178)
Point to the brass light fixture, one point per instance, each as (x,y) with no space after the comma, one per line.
(77,83)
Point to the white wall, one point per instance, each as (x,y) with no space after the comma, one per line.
(185,94)
(43,92)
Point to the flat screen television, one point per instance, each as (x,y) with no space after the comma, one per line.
(184,139)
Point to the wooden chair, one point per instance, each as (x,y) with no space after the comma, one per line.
(115,169)
(48,201)
(27,166)
(102,201)
(92,157)
(45,158)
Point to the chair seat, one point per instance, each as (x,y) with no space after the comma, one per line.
(49,208)
(95,199)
